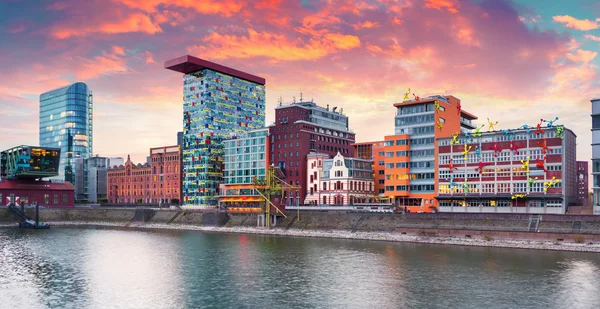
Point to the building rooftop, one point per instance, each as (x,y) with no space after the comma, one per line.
(188,64)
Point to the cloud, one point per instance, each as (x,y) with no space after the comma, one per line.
(366,25)
(584,56)
(579,24)
(148,57)
(136,22)
(592,37)
(219,7)
(117,50)
(449,5)
(273,46)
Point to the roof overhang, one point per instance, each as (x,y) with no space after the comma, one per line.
(189,64)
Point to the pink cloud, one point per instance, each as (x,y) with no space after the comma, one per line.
(592,37)
(584,56)
(220,7)
(579,24)
(148,57)
(117,50)
(255,44)
(450,5)
(136,22)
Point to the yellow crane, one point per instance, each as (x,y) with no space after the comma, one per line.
(272,186)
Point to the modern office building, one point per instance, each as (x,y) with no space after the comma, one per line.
(22,169)
(411,158)
(339,181)
(301,128)
(582,183)
(246,158)
(218,104)
(509,171)
(66,122)
(157,183)
(91,178)
(596,155)
(374,151)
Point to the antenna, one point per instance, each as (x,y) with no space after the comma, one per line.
(300,96)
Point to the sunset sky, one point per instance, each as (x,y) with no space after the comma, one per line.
(512,61)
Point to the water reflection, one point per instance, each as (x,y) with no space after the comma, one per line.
(111,268)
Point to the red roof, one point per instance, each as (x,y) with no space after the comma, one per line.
(188,64)
(24,184)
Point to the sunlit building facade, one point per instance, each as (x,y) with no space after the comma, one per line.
(218,104)
(246,158)
(66,118)
(516,171)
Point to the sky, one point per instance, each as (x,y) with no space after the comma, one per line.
(512,61)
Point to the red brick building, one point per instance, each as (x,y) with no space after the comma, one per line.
(582,183)
(300,128)
(43,192)
(156,183)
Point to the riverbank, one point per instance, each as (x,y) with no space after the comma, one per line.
(343,234)
(549,232)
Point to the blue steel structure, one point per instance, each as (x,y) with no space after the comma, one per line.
(66,123)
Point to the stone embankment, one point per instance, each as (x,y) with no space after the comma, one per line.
(551,232)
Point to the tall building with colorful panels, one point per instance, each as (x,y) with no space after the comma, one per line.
(218,103)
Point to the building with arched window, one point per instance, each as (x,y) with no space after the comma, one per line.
(339,181)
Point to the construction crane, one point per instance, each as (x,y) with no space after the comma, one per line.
(273,188)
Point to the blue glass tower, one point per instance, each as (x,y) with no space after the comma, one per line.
(66,123)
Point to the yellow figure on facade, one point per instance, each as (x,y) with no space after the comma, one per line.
(551,183)
(466,151)
(440,125)
(437,105)
(477,132)
(516,196)
(525,164)
(406,95)
(491,125)
(454,140)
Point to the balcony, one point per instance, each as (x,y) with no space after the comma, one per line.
(467,123)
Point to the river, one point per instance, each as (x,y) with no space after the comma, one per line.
(124,268)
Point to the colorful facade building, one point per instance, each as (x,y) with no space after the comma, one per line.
(218,104)
(246,158)
(339,180)
(596,155)
(582,183)
(410,156)
(156,183)
(528,170)
(301,128)
(374,151)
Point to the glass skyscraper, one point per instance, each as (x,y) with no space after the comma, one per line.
(66,123)
(218,104)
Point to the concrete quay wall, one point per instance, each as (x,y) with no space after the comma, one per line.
(501,226)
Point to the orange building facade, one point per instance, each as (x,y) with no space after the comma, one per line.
(373,151)
(158,182)
(407,161)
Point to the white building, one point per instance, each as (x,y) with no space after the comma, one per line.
(338,181)
(91,177)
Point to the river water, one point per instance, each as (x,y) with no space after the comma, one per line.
(116,268)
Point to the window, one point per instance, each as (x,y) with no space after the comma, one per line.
(503,203)
(487,188)
(503,188)
(519,187)
(46,199)
(55,198)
